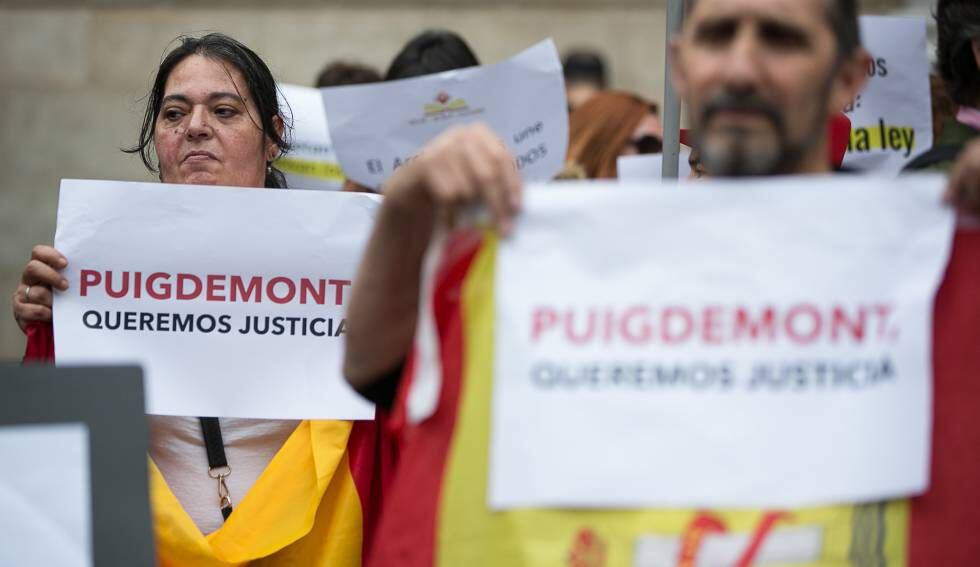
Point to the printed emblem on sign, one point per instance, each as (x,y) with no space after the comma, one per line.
(588,550)
(444,103)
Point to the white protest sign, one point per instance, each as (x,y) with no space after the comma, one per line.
(891,120)
(45,486)
(650,166)
(762,344)
(376,128)
(232,299)
(311,162)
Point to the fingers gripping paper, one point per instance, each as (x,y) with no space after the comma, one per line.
(377,128)
(232,299)
(763,345)
(892,118)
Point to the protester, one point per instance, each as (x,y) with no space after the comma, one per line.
(213,118)
(342,73)
(585,76)
(432,51)
(609,125)
(761,79)
(958,54)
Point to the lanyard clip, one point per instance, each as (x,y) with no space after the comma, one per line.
(224,495)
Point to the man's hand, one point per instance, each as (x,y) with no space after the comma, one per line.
(462,166)
(963,191)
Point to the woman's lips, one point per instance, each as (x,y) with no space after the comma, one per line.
(197,157)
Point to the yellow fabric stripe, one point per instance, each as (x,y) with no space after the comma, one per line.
(469,534)
(303,510)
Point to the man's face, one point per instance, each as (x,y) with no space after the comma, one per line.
(760,80)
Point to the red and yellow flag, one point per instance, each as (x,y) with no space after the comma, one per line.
(436,511)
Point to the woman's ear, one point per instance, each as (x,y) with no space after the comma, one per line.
(271,147)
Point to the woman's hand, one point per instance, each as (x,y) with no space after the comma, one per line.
(32,298)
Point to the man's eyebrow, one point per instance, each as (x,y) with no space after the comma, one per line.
(211,97)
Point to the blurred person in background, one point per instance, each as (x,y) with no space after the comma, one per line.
(213,118)
(612,124)
(342,73)
(432,51)
(585,76)
(957,149)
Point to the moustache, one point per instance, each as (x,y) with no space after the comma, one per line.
(735,102)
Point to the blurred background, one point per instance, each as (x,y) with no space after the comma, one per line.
(72,75)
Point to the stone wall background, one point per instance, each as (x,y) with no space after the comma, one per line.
(72,75)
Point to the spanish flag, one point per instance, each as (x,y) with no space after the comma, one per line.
(436,513)
(314,505)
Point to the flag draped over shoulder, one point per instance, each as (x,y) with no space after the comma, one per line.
(436,508)
(315,504)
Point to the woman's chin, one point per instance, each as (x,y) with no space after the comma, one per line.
(201,178)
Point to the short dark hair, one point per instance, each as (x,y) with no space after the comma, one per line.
(958,24)
(842,15)
(342,73)
(259,80)
(432,51)
(585,66)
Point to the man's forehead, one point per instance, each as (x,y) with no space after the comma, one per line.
(798,12)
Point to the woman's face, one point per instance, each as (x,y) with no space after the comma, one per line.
(207,132)
(646,138)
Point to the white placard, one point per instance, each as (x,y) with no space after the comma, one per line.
(45,502)
(651,167)
(891,120)
(232,299)
(761,344)
(378,127)
(311,162)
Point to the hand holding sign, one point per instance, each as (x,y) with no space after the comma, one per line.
(963,190)
(464,165)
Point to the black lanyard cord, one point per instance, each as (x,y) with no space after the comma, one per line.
(218,468)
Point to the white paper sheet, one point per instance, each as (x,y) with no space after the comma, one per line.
(221,346)
(651,167)
(891,120)
(311,162)
(378,127)
(45,500)
(763,344)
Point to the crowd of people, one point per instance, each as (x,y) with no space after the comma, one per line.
(760,80)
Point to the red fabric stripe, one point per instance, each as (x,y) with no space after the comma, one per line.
(944,519)
(372,457)
(407,535)
(40,343)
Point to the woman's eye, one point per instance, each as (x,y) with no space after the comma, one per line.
(225,112)
(172,114)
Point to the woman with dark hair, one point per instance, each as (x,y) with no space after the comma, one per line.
(609,125)
(288,491)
